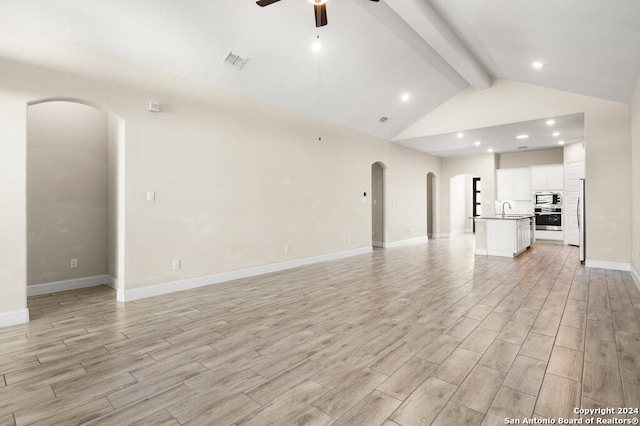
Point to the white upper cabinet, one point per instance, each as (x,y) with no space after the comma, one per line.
(547,178)
(514,184)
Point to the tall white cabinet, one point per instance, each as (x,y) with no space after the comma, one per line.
(574,172)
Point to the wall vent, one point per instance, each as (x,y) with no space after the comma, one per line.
(235,60)
(523,147)
(383,119)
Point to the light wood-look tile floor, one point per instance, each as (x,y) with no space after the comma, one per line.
(416,335)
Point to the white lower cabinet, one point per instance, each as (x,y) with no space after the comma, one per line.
(505,237)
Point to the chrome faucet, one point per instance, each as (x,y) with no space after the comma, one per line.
(506,202)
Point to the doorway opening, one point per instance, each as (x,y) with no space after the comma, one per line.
(431,187)
(476,200)
(378,231)
(461,201)
(75,197)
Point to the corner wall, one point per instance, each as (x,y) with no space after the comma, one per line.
(635,183)
(13,211)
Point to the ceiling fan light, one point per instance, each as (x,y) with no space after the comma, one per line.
(318,1)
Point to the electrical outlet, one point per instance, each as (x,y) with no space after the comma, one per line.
(73,263)
(176,265)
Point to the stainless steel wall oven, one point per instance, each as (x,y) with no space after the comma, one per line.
(548,211)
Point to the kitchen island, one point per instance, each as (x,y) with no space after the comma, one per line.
(504,235)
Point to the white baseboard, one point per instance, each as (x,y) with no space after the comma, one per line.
(444,235)
(7,319)
(461,232)
(57,286)
(635,276)
(415,240)
(603,264)
(111,282)
(127,295)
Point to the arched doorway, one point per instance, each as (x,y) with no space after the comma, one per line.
(75,197)
(461,204)
(378,231)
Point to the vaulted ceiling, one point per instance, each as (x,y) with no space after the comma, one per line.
(372,53)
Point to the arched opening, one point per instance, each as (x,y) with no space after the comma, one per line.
(75,197)
(461,204)
(431,188)
(378,231)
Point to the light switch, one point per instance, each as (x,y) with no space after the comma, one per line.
(151,196)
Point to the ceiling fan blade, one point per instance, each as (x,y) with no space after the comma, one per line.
(375,0)
(263,3)
(320,11)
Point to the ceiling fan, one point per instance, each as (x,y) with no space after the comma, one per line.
(319,9)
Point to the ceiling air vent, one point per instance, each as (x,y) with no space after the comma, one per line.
(383,119)
(235,60)
(523,147)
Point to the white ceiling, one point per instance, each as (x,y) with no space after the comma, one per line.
(372,52)
(504,139)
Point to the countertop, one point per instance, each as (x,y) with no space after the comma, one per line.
(506,217)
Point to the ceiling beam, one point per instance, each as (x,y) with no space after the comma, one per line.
(427,22)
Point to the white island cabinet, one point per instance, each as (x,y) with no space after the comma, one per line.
(503,236)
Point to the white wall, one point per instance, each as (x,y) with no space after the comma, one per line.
(635,182)
(13,210)
(236,180)
(607,151)
(530,158)
(574,152)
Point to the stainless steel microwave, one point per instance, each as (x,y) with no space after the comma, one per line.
(547,199)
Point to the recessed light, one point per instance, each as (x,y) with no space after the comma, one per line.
(560,142)
(477,143)
(460,135)
(405,97)
(490,150)
(551,122)
(537,65)
(522,136)
(556,134)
